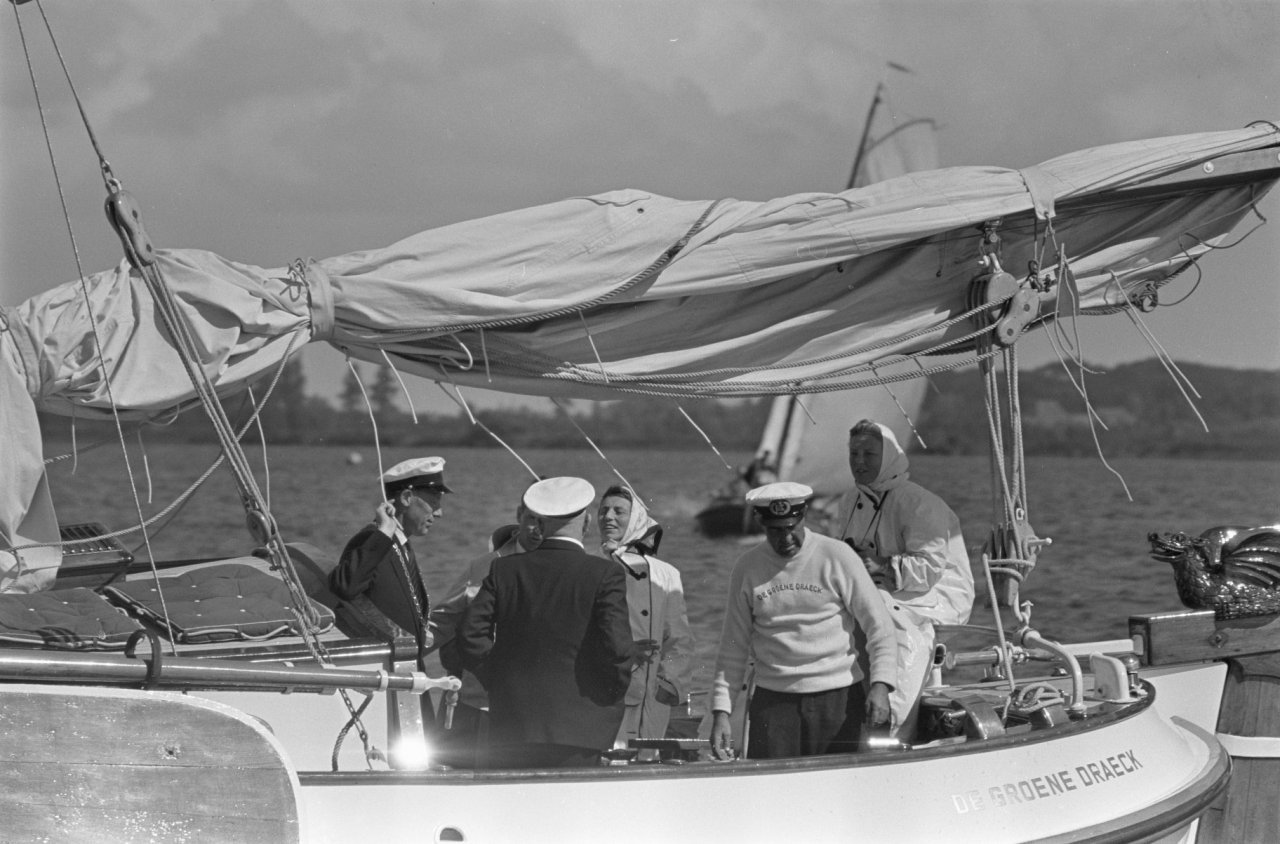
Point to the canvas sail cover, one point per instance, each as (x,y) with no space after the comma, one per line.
(629,292)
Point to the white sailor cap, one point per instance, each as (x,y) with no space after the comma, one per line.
(781,504)
(420,472)
(559,497)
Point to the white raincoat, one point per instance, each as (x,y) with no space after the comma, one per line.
(895,516)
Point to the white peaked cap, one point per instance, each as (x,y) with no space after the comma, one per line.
(559,497)
(788,491)
(780,504)
(419,471)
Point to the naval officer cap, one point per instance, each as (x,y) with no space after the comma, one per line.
(418,473)
(782,504)
(559,498)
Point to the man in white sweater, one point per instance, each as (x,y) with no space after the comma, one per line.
(795,602)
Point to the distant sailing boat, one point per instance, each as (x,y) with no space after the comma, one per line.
(803,442)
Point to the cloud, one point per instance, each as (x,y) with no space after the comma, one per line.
(272,130)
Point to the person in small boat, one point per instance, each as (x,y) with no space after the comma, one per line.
(549,636)
(378,571)
(762,470)
(659,622)
(796,602)
(458,744)
(911,543)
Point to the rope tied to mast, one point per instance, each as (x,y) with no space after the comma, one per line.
(126,219)
(1012,547)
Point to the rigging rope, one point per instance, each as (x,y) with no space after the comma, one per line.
(559,405)
(1011,545)
(127,223)
(1067,284)
(262,443)
(697,428)
(462,402)
(75,462)
(403,388)
(146,466)
(373,422)
(604,373)
(75,249)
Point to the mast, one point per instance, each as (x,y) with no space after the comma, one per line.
(866,135)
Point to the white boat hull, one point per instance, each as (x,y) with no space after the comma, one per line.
(1140,776)
(1132,774)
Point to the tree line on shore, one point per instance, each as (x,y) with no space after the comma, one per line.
(1137,410)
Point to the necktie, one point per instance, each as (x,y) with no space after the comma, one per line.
(405,558)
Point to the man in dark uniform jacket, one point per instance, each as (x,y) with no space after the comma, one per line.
(378,566)
(549,636)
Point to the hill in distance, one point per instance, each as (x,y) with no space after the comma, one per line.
(1145,413)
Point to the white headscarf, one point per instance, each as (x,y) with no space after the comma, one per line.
(641,536)
(893,465)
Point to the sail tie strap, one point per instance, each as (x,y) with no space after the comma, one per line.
(1040,186)
(315,281)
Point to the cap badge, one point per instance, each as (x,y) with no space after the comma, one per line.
(779,507)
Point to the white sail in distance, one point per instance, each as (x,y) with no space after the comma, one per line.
(805,442)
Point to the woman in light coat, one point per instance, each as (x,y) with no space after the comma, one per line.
(659,623)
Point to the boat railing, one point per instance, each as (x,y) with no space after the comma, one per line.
(1033,638)
(157,671)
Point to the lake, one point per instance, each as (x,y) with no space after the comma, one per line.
(1096,573)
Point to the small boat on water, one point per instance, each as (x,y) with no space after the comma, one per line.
(222,700)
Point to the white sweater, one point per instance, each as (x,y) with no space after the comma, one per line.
(796,617)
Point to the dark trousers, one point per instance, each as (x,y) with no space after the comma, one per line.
(461,745)
(789,724)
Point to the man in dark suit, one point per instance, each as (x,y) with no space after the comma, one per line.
(378,573)
(549,636)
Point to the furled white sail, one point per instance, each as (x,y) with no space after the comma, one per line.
(629,292)
(633,292)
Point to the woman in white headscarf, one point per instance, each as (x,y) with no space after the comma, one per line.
(911,543)
(659,624)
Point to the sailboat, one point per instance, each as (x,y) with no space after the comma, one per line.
(803,436)
(127,716)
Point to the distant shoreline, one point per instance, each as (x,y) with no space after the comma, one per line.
(1132,410)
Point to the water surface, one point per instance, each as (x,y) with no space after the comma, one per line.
(1096,573)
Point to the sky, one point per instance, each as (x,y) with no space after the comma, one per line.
(269,130)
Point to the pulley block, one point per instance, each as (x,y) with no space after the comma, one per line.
(1011,306)
(126,218)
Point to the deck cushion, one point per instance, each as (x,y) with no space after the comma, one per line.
(215,603)
(76,618)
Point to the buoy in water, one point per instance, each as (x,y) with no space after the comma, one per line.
(355,458)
